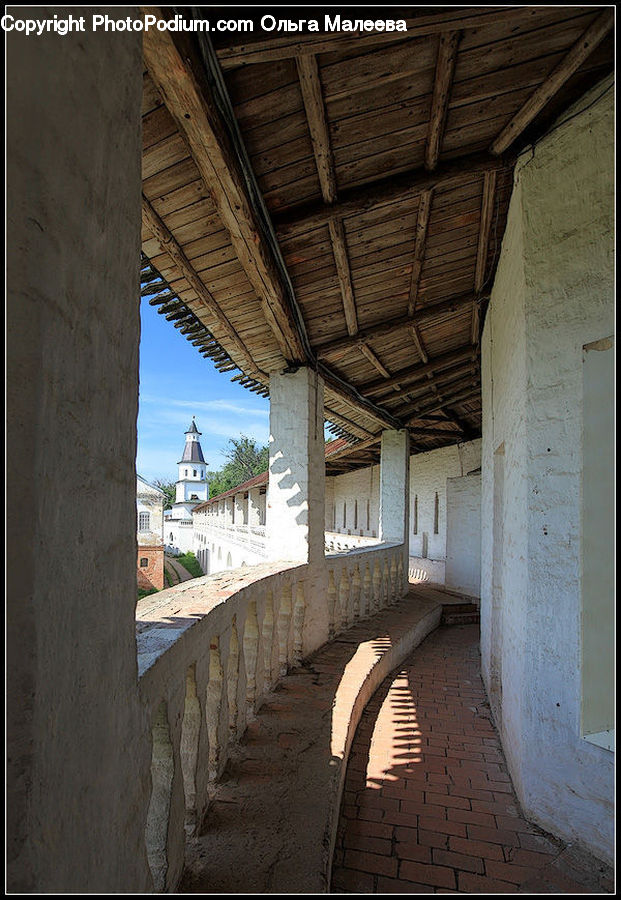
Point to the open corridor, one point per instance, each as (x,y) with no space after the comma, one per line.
(428,805)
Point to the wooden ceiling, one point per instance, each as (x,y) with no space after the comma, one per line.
(339,201)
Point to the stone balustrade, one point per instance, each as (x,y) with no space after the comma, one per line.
(335,541)
(210,649)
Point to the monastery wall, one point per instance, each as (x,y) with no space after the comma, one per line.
(546,591)
(352,505)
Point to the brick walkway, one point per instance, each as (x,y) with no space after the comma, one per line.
(429,806)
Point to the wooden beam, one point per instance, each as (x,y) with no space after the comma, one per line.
(338,348)
(206,302)
(580,51)
(310,84)
(179,75)
(352,395)
(443,82)
(387,190)
(375,362)
(413,373)
(485,226)
(341,259)
(353,448)
(420,346)
(355,429)
(422,221)
(418,340)
(370,442)
(250,49)
(462,397)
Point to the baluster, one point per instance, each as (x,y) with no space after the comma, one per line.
(331,605)
(299,609)
(394,596)
(214,705)
(377,586)
(386,583)
(162,770)
(190,735)
(251,646)
(344,599)
(367,589)
(284,618)
(268,637)
(356,593)
(232,677)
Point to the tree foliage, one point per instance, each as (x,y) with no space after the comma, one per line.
(245,459)
(168,487)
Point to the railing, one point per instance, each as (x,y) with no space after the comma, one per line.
(335,541)
(208,652)
(252,536)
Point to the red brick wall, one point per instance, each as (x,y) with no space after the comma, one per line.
(151,575)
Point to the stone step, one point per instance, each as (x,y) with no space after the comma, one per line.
(461,614)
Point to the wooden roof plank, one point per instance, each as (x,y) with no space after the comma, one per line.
(198,118)
(583,47)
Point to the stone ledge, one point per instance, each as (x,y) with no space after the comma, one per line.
(272,822)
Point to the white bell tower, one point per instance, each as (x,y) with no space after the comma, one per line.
(192,486)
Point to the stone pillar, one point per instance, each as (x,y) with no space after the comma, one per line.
(78,750)
(295,498)
(394,499)
(254,507)
(241,516)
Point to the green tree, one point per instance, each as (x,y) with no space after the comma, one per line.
(245,459)
(168,487)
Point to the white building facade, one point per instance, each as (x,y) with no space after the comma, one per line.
(150,534)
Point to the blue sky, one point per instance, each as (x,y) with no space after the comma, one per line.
(176,383)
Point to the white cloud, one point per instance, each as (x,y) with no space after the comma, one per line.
(163,420)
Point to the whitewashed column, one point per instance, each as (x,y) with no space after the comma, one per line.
(296,490)
(394,491)
(240,511)
(254,507)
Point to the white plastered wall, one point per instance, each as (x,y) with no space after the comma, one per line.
(428,475)
(553,293)
(463,534)
(78,750)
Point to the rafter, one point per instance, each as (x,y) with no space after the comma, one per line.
(310,84)
(413,373)
(420,346)
(179,74)
(467,394)
(341,259)
(443,82)
(570,63)
(206,301)
(375,362)
(419,431)
(485,226)
(422,222)
(406,186)
(180,78)
(338,348)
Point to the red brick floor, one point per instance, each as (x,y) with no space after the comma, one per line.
(428,805)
